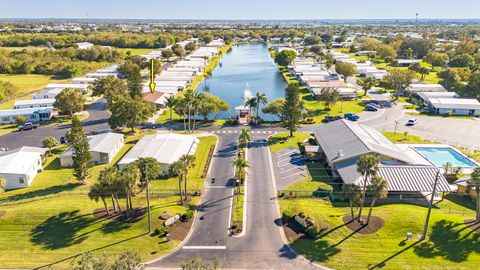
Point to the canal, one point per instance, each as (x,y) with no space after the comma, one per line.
(245,70)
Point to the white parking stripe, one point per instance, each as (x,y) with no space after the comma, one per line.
(204,247)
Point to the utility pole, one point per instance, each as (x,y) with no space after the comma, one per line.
(395,133)
(148,199)
(430,205)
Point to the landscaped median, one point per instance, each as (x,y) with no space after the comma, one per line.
(54,220)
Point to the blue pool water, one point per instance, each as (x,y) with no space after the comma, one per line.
(439,156)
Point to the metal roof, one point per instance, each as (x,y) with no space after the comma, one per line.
(104,142)
(343,139)
(402,178)
(455,103)
(166,148)
(20,160)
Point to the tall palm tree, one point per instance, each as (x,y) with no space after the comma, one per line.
(367,83)
(367,166)
(181,109)
(130,178)
(177,168)
(329,97)
(98,192)
(244,137)
(108,178)
(474,182)
(353,194)
(261,100)
(251,103)
(188,161)
(171,102)
(378,189)
(190,97)
(240,165)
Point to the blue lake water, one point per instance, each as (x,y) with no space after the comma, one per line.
(439,156)
(245,64)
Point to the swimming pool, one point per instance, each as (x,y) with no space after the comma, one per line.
(439,156)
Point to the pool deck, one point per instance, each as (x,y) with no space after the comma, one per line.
(409,150)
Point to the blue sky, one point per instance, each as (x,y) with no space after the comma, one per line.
(240,9)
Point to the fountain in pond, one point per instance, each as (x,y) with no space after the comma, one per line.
(247,94)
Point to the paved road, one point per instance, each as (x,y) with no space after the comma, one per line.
(97,120)
(262,247)
(210,234)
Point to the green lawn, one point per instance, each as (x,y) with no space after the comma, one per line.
(400,137)
(450,244)
(4,129)
(318,179)
(238,208)
(282,141)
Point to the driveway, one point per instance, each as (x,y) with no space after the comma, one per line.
(97,120)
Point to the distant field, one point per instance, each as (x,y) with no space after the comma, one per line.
(21,48)
(26,85)
(134,51)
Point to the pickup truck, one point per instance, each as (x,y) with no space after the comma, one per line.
(351,116)
(27,126)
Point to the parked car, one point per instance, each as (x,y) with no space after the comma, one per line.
(27,126)
(330,118)
(411,122)
(63,140)
(371,108)
(351,116)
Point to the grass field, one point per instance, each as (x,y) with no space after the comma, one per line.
(282,141)
(26,85)
(449,245)
(318,179)
(134,51)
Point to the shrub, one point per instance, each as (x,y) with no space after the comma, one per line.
(187,215)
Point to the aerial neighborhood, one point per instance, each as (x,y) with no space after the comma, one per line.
(239,144)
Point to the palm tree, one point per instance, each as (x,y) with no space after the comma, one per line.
(261,99)
(3,184)
(367,83)
(189,97)
(379,190)
(244,137)
(181,109)
(98,191)
(367,166)
(188,161)
(474,182)
(171,102)
(130,178)
(177,168)
(108,178)
(329,97)
(240,165)
(353,194)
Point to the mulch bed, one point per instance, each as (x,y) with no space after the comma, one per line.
(292,230)
(373,226)
(470,223)
(135,214)
(2,213)
(180,229)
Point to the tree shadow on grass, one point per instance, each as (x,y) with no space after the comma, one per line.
(451,241)
(61,230)
(315,250)
(39,193)
(464,201)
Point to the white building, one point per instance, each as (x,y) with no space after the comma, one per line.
(33,103)
(84,45)
(32,114)
(103,148)
(166,148)
(83,80)
(455,106)
(20,166)
(420,87)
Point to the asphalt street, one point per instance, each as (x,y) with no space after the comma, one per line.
(97,120)
(262,246)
